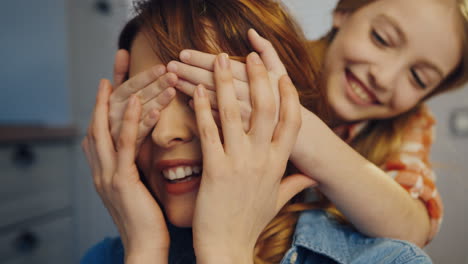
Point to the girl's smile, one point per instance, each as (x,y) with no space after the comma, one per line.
(385,58)
(358,92)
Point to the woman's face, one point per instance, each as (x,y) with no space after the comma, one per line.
(171,150)
(388,55)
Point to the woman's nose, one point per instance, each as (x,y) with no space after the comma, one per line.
(174,126)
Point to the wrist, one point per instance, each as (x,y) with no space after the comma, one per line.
(142,256)
(228,256)
(302,144)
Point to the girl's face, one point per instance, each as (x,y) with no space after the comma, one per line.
(388,55)
(171,150)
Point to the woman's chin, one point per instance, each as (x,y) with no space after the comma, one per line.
(180,218)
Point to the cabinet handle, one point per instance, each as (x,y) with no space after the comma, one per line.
(26,242)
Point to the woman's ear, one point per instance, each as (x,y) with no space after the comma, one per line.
(340,17)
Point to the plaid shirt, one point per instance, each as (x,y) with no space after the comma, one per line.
(410,166)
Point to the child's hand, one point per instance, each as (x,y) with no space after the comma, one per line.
(197,68)
(242,188)
(136,214)
(153,88)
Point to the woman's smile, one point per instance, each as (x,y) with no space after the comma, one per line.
(180,176)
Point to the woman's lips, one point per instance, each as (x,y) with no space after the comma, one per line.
(184,185)
(358,92)
(181,187)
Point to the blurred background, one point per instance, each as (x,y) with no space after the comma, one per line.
(53,53)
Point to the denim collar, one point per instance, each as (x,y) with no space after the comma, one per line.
(317,232)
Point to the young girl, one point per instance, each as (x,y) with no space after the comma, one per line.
(304,239)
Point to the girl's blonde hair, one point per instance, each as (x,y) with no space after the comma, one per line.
(173,25)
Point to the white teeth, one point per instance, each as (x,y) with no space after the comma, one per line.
(188,170)
(358,90)
(172,175)
(180,172)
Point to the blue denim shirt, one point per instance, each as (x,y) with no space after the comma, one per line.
(317,239)
(320,239)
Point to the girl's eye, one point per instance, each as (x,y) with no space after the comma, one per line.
(377,37)
(417,79)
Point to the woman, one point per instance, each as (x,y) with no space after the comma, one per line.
(223,131)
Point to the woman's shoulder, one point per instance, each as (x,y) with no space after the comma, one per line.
(108,251)
(319,238)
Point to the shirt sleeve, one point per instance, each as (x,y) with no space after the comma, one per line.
(410,166)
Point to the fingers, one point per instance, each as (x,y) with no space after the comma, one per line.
(289,122)
(98,144)
(189,88)
(146,125)
(121,64)
(292,185)
(192,74)
(263,101)
(128,134)
(209,136)
(138,82)
(207,61)
(228,105)
(100,127)
(149,92)
(267,52)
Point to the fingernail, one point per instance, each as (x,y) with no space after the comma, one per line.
(255,58)
(185,55)
(201,90)
(172,66)
(255,32)
(223,60)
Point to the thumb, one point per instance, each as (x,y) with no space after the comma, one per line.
(292,185)
(267,52)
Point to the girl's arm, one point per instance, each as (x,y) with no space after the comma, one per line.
(375,203)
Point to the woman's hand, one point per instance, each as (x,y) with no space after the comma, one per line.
(136,214)
(242,188)
(153,88)
(197,68)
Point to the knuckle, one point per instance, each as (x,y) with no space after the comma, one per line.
(98,184)
(117,185)
(113,115)
(122,142)
(268,108)
(229,114)
(209,134)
